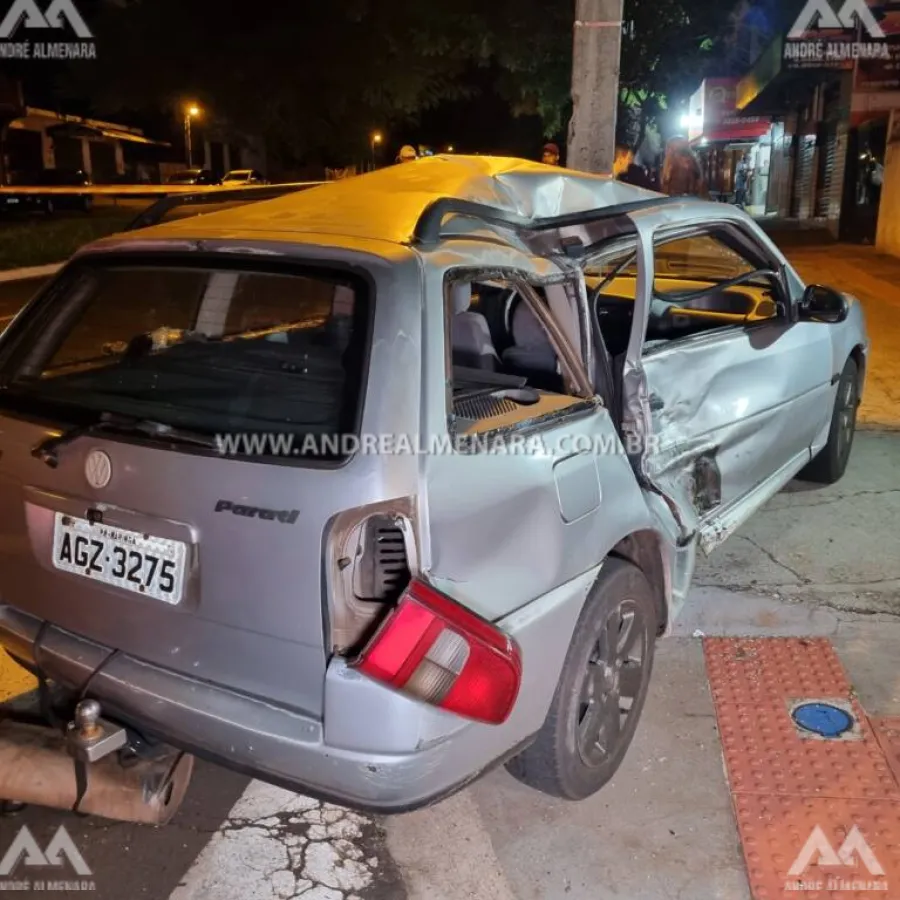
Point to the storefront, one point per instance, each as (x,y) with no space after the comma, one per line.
(831,109)
(734,150)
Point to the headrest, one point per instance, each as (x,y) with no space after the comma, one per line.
(461,295)
(527,331)
(342,304)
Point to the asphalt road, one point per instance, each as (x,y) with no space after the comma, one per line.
(133,860)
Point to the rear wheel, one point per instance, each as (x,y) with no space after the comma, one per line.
(831,463)
(601,691)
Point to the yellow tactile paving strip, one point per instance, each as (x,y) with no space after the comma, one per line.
(14,680)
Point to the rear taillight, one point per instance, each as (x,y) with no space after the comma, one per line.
(439,652)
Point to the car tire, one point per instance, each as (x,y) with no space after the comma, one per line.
(585,737)
(831,463)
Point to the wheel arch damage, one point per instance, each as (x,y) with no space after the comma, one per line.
(644,550)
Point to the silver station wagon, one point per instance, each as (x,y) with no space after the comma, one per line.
(367,488)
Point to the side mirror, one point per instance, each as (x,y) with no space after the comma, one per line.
(823,304)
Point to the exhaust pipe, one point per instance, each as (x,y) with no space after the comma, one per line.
(37,767)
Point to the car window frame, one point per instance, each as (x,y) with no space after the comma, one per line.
(758,256)
(15,345)
(584,403)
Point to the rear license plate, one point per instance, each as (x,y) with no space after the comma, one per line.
(146,565)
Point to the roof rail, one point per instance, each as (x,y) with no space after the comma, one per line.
(155,213)
(428,226)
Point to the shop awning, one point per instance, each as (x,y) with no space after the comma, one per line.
(736,129)
(130,136)
(78,128)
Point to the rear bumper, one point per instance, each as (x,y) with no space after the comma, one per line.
(418,754)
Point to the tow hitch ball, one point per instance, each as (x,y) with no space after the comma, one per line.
(89,738)
(83,770)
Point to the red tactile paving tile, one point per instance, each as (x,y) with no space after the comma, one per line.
(753,684)
(887,730)
(787,667)
(775,830)
(785,785)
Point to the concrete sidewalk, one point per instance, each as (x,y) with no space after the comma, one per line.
(875,279)
(837,546)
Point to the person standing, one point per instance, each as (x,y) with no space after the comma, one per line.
(741,183)
(681,175)
(626,170)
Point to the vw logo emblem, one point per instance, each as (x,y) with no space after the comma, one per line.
(98,469)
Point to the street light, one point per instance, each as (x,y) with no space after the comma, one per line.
(191,111)
(377,138)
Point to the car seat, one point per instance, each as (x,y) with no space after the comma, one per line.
(470,335)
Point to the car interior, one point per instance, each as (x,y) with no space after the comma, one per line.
(498,343)
(502,362)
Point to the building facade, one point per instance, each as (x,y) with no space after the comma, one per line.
(829,92)
(726,142)
(41,139)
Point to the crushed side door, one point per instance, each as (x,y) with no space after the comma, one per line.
(724,416)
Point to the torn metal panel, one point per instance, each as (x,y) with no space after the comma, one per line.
(718,402)
(725,413)
(491,260)
(365,578)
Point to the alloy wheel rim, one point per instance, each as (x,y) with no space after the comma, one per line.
(846,419)
(611,684)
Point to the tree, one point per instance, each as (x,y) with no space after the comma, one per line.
(667,48)
(312,79)
(315,79)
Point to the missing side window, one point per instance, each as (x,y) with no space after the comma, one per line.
(509,364)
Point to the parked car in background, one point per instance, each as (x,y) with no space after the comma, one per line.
(238,177)
(367,488)
(12,201)
(193,176)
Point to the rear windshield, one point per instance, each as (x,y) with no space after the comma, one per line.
(214,350)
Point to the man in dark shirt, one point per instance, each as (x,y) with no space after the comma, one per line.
(627,170)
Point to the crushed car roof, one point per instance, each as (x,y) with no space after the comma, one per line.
(387,204)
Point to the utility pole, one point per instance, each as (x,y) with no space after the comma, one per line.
(595,85)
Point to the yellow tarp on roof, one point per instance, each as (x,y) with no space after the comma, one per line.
(386,204)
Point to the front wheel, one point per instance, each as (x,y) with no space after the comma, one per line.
(601,691)
(831,463)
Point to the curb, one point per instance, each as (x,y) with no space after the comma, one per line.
(30,272)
